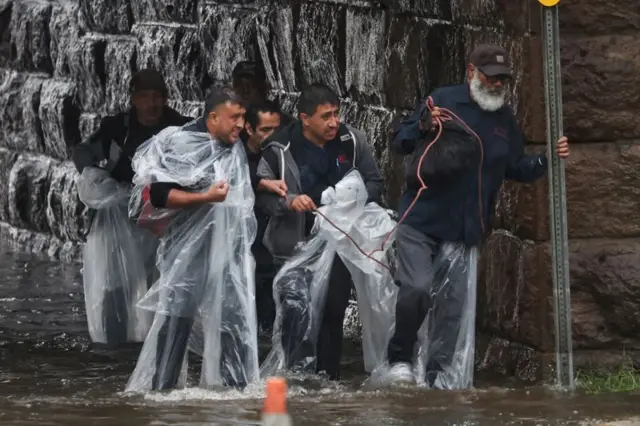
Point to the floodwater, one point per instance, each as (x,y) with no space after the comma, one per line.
(50,375)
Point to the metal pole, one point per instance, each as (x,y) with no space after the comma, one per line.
(557,195)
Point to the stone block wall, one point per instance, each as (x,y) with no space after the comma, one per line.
(601,93)
(65,64)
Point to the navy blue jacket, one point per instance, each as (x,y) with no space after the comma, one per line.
(460,210)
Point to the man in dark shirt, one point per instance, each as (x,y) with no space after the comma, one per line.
(312,155)
(111,148)
(261,120)
(456,211)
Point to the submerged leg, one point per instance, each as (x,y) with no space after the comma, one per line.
(331,330)
(234,345)
(173,338)
(115,311)
(446,326)
(293,291)
(265,305)
(415,253)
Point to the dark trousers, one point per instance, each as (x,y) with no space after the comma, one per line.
(173,339)
(115,316)
(431,285)
(265,305)
(296,316)
(116,307)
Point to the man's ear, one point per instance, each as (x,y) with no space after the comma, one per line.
(212,116)
(470,71)
(248,128)
(304,118)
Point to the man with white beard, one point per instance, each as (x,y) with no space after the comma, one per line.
(451,217)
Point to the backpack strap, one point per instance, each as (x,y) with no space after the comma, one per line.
(347,136)
(115,148)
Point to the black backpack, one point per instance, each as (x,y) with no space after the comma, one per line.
(456,151)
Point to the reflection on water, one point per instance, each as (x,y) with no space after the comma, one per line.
(50,375)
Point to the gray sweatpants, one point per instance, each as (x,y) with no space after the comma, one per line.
(433,279)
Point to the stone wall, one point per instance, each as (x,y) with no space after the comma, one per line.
(64,64)
(601,90)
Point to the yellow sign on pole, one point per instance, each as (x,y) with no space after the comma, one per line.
(549,3)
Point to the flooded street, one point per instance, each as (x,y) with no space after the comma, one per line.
(50,375)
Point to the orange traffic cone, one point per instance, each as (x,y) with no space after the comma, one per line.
(274,412)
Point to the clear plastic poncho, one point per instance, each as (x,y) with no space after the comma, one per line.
(447,335)
(301,285)
(118,262)
(445,348)
(205,263)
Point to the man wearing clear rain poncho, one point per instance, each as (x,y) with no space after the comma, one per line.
(119,258)
(479,146)
(316,157)
(357,234)
(193,188)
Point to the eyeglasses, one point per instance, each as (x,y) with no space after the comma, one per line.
(502,78)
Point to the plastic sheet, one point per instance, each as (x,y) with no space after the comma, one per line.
(450,324)
(445,350)
(118,262)
(205,262)
(301,284)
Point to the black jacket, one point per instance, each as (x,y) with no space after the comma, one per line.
(113,145)
(284,157)
(459,208)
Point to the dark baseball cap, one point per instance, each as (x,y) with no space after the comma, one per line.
(491,60)
(148,79)
(249,69)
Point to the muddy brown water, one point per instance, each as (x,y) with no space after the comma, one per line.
(51,375)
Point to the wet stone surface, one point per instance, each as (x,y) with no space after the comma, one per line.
(19,106)
(29,182)
(30,36)
(59,113)
(380,57)
(112,17)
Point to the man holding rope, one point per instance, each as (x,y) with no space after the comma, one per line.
(454,208)
(312,155)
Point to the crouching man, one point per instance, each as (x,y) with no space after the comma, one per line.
(436,242)
(195,182)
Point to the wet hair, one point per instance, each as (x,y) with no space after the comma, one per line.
(315,95)
(252,115)
(148,79)
(219,95)
(249,69)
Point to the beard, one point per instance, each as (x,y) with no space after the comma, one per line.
(489,99)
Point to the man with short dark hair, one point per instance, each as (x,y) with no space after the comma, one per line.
(436,243)
(188,241)
(261,121)
(312,155)
(105,158)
